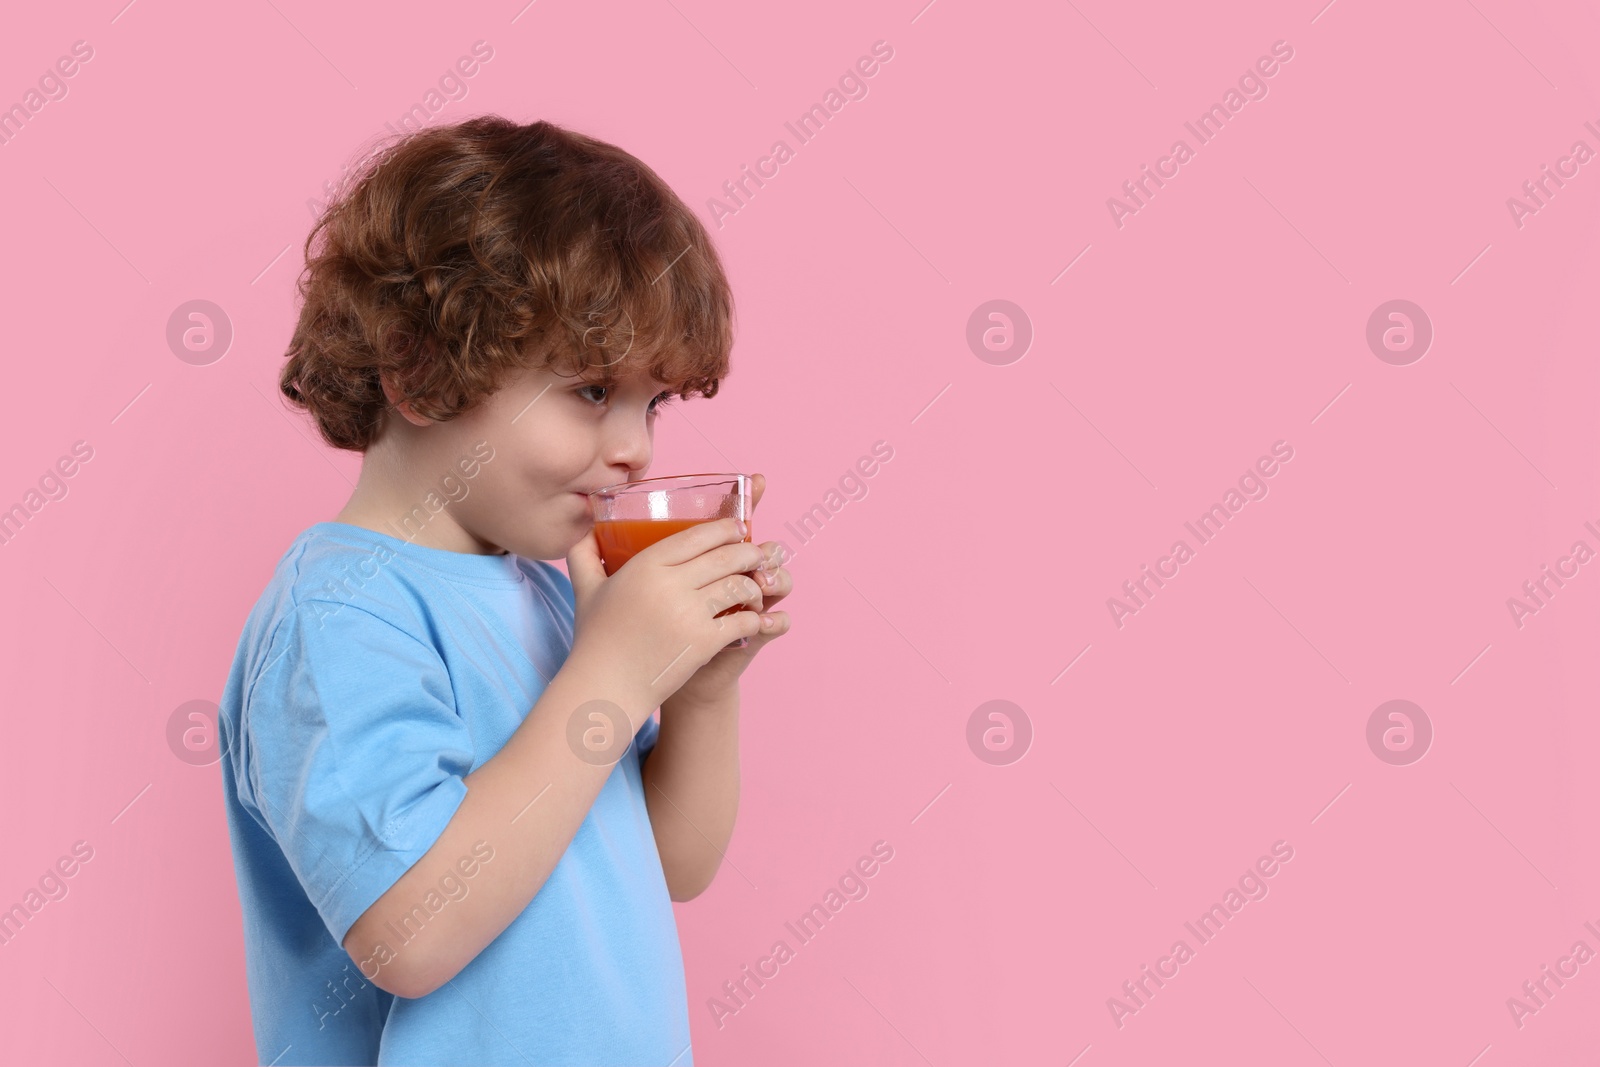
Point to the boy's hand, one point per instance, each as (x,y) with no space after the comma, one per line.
(650,626)
(721,673)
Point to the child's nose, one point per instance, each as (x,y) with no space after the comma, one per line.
(631,447)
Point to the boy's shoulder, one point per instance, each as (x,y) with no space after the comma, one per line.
(332,559)
(331,566)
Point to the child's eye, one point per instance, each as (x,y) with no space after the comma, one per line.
(661,400)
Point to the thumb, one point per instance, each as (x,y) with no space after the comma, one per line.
(585,568)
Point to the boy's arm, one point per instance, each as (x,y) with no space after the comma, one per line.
(691,788)
(528,840)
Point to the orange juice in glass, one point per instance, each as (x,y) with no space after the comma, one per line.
(631,516)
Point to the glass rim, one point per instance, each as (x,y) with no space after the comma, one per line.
(683,481)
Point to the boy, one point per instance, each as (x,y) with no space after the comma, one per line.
(457,828)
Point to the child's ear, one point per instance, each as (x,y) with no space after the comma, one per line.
(402,406)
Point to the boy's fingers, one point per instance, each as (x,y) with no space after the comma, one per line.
(722,561)
(755,601)
(584,565)
(732,591)
(697,540)
(782,584)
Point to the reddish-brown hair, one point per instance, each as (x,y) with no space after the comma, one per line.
(464,252)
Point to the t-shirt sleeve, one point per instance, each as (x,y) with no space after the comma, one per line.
(645,739)
(357,753)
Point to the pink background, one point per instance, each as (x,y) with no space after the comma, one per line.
(1224,316)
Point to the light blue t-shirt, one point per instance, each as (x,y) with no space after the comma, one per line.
(372,676)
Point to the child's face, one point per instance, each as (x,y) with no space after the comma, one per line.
(555,439)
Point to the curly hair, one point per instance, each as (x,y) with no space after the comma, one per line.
(462,253)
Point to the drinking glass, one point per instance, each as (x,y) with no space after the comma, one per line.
(632,516)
